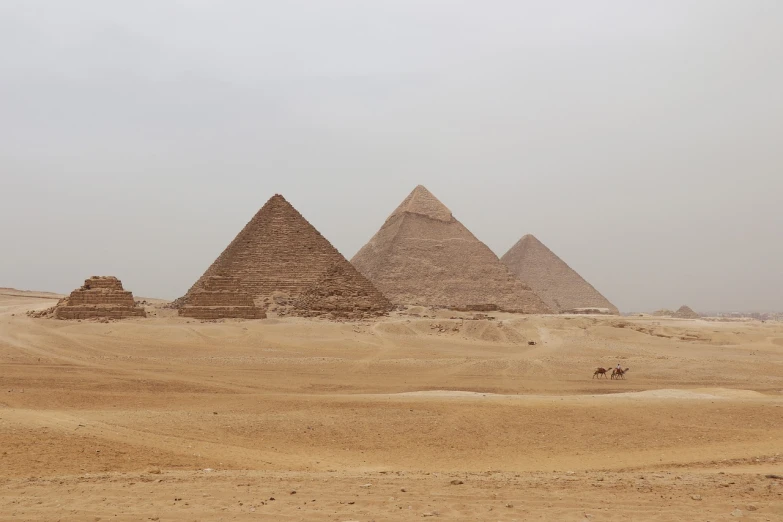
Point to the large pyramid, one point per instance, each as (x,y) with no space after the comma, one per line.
(551,278)
(279,252)
(423,256)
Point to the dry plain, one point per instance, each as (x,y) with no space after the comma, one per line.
(422,414)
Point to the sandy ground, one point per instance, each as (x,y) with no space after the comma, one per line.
(406,418)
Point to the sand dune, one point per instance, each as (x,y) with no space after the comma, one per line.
(123,418)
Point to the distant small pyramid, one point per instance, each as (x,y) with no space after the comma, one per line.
(556,283)
(422,255)
(279,252)
(685,312)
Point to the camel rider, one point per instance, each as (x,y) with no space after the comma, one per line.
(619,368)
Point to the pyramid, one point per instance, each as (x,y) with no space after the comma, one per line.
(279,252)
(423,256)
(220,297)
(342,281)
(552,279)
(101,297)
(685,312)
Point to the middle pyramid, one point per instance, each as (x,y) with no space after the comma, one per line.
(423,256)
(279,254)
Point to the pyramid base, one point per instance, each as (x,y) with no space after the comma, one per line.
(221,312)
(475,308)
(589,311)
(97,312)
(337,314)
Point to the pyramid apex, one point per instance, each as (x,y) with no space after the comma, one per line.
(277,201)
(529,241)
(421,201)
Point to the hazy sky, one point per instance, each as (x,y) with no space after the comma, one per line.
(642,141)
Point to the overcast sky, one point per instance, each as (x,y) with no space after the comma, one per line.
(642,141)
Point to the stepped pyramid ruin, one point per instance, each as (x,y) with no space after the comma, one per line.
(685,312)
(280,256)
(556,283)
(101,297)
(423,256)
(220,297)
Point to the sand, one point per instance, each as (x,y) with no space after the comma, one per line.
(167,418)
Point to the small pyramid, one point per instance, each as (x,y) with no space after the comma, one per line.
(340,283)
(685,312)
(279,252)
(221,297)
(101,297)
(552,279)
(422,255)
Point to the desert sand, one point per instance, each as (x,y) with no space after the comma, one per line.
(412,416)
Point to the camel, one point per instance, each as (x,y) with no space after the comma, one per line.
(619,373)
(600,372)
